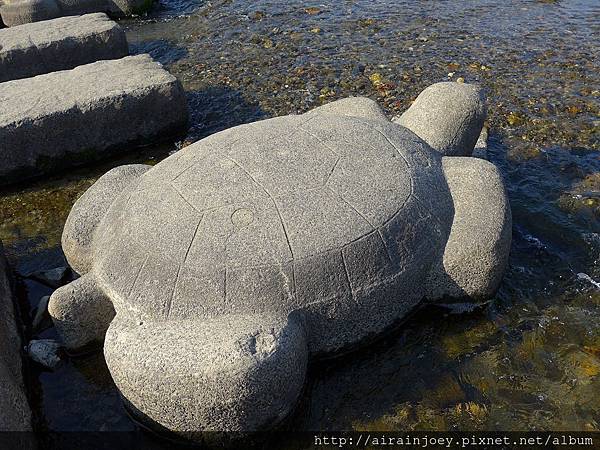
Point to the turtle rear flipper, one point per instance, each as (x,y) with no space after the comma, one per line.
(89,210)
(235,373)
(81,312)
(477,249)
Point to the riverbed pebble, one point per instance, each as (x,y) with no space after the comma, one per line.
(51,277)
(45,352)
(41,313)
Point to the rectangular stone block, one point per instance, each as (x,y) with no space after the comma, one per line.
(19,12)
(15,414)
(59,44)
(68,118)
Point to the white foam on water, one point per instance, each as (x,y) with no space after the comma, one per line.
(533,240)
(586,277)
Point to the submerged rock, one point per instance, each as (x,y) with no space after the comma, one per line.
(234,261)
(482,141)
(481,146)
(45,352)
(41,313)
(52,277)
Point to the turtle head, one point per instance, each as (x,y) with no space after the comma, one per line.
(88,211)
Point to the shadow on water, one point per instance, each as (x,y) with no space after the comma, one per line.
(554,239)
(161,50)
(218,108)
(167,8)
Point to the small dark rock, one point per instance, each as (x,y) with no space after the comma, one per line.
(54,277)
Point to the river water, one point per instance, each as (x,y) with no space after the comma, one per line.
(527,360)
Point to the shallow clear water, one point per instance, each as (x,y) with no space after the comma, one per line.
(530,358)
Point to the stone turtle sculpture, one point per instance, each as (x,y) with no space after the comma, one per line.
(222,270)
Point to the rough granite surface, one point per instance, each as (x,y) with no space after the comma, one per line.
(59,44)
(476,253)
(15,414)
(235,260)
(65,118)
(448,116)
(19,12)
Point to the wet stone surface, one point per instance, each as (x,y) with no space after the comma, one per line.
(530,358)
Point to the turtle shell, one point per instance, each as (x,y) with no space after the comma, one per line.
(308,212)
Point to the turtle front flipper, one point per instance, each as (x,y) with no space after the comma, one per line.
(89,210)
(234,373)
(477,249)
(448,116)
(81,312)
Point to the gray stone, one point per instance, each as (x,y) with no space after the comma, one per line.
(448,116)
(482,140)
(45,352)
(481,146)
(236,259)
(258,360)
(41,313)
(52,277)
(59,44)
(476,253)
(80,312)
(19,12)
(93,204)
(15,414)
(109,105)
